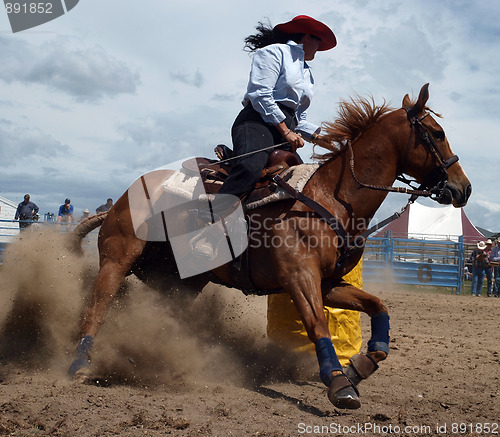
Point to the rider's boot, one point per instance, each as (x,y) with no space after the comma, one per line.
(205,243)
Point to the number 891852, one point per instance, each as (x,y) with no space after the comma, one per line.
(29,8)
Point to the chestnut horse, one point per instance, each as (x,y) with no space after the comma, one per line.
(369,148)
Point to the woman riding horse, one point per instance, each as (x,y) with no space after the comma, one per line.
(278,95)
(370,147)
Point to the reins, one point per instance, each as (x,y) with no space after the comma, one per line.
(388,188)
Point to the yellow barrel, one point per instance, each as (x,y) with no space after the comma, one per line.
(285,327)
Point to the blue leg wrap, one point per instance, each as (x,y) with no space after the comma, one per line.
(82,357)
(327,359)
(380,333)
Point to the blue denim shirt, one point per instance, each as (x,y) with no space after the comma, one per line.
(25,211)
(279,74)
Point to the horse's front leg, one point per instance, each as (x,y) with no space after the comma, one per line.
(346,296)
(304,285)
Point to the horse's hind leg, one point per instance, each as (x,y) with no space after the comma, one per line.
(119,248)
(346,296)
(109,280)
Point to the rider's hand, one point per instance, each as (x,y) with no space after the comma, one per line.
(295,140)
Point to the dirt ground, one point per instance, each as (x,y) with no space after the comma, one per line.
(166,368)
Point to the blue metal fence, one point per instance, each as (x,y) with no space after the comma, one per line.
(402,261)
(411,261)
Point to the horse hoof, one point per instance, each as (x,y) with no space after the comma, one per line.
(342,394)
(83,376)
(79,367)
(361,367)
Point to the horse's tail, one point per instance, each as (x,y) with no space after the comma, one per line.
(85,227)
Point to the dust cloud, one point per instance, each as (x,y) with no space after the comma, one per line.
(147,339)
(41,298)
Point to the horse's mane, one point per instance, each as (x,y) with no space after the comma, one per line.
(354,117)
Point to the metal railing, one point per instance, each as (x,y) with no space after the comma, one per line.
(411,261)
(10,231)
(405,261)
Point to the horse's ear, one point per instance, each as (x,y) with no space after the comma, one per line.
(406,101)
(422,99)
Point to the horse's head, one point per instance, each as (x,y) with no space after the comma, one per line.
(428,157)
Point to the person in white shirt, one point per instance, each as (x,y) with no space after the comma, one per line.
(278,95)
(279,92)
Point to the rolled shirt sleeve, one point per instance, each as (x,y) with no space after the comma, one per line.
(305,128)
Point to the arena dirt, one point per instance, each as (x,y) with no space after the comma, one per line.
(164,367)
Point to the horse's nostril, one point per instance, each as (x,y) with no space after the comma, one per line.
(468,191)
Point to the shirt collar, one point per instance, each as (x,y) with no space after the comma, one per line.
(296,46)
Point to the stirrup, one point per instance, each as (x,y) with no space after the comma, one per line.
(201,246)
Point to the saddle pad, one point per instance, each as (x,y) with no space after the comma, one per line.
(296,176)
(185,184)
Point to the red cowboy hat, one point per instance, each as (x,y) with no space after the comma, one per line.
(305,24)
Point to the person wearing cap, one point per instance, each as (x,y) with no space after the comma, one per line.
(106,207)
(480,263)
(279,92)
(65,213)
(25,213)
(495,261)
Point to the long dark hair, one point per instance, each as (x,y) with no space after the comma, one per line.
(266,35)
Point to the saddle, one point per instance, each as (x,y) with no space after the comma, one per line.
(214,172)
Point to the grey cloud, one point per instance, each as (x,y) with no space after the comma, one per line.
(225,97)
(403,55)
(19,143)
(196,79)
(167,137)
(87,74)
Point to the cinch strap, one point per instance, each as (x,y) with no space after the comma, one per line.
(380,333)
(327,359)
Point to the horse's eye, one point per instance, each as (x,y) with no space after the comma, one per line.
(439,135)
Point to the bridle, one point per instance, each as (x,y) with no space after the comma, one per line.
(440,173)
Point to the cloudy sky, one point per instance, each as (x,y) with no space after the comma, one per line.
(113,89)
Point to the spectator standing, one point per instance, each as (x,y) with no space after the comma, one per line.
(467,274)
(488,271)
(106,207)
(495,260)
(85,215)
(65,213)
(480,262)
(25,212)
